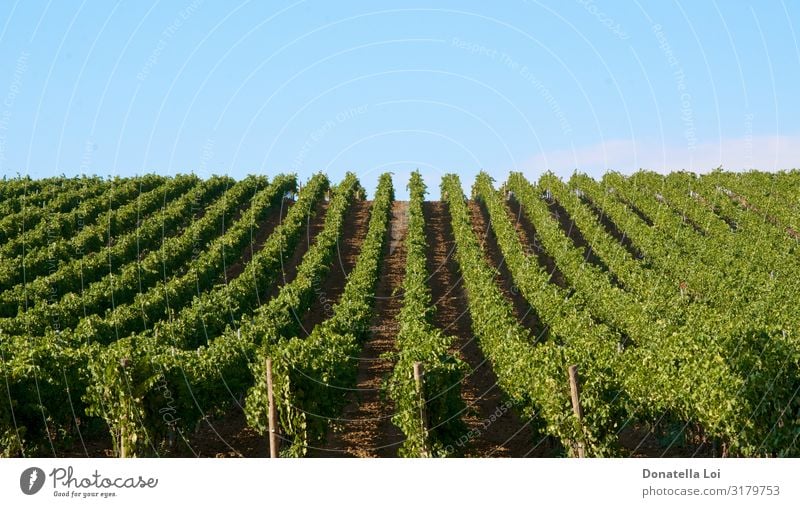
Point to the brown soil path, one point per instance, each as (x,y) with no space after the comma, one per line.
(229,435)
(365,428)
(314,225)
(258,238)
(508,436)
(328,291)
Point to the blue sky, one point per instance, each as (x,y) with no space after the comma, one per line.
(238,87)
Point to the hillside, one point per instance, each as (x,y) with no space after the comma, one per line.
(137,315)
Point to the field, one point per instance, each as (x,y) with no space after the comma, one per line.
(137,316)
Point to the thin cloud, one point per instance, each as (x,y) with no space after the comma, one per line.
(767,153)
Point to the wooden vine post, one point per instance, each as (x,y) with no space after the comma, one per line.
(122,437)
(422,415)
(123,427)
(273,436)
(576,404)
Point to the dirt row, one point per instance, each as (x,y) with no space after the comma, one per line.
(508,435)
(328,290)
(364,428)
(229,436)
(258,237)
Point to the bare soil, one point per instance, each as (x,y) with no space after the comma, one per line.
(258,238)
(348,248)
(508,435)
(523,311)
(96,447)
(641,442)
(314,225)
(229,435)
(365,428)
(225,437)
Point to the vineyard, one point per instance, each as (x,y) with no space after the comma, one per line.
(170,316)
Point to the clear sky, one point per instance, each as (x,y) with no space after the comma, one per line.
(127,87)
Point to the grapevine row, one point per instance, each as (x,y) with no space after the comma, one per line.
(113,223)
(313,375)
(61,225)
(209,377)
(27,210)
(80,287)
(418,340)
